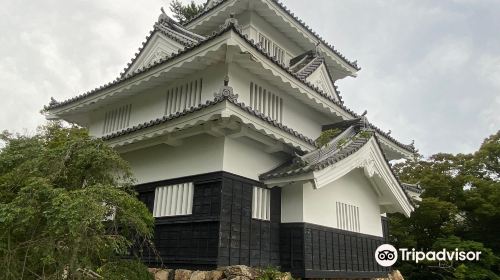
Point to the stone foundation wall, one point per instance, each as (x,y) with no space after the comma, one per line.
(236,272)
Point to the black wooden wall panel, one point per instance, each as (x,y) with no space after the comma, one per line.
(328,252)
(292,250)
(221,232)
(385,228)
(244,240)
(189,241)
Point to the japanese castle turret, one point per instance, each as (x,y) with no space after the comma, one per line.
(218,118)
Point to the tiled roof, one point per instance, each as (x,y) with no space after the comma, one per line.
(295,18)
(410,147)
(412,187)
(322,157)
(53,104)
(230,25)
(306,65)
(210,103)
(328,155)
(225,28)
(170,28)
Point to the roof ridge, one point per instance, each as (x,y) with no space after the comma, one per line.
(297,167)
(312,66)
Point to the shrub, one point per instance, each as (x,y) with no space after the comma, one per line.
(124,270)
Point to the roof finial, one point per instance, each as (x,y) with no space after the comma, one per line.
(231,20)
(163,16)
(364,119)
(316,48)
(226,92)
(389,132)
(53,101)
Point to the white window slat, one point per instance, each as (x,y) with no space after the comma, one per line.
(261,203)
(173,200)
(254,202)
(347,217)
(185,193)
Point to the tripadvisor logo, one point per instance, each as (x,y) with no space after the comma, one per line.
(387,255)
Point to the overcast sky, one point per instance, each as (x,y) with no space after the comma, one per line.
(430,69)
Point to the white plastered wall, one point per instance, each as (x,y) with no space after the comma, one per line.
(253,24)
(150,104)
(202,154)
(292,201)
(319,205)
(247,158)
(197,155)
(296,114)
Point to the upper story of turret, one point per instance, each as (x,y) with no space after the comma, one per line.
(280,33)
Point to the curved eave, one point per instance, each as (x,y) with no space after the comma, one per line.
(394,150)
(371,159)
(216,110)
(166,70)
(156,75)
(211,50)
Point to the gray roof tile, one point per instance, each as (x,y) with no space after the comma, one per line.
(230,25)
(218,99)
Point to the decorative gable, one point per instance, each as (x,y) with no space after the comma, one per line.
(157,47)
(321,79)
(354,148)
(167,38)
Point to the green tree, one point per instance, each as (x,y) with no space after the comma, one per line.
(66,206)
(184,13)
(460,208)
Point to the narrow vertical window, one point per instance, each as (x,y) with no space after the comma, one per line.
(261,204)
(117,118)
(266,102)
(251,94)
(173,200)
(347,217)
